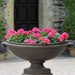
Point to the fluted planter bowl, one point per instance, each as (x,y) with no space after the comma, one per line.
(37,54)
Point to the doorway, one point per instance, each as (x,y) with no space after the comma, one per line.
(26,14)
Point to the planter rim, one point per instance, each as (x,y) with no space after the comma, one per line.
(58,43)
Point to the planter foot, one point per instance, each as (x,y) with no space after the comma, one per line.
(37,68)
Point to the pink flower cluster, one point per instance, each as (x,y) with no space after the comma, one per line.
(30,41)
(45,36)
(54,31)
(63,37)
(51,34)
(8,36)
(14,33)
(10,32)
(27,32)
(35,29)
(44,40)
(36,35)
(21,31)
(47,29)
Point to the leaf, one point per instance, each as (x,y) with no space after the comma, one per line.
(45,36)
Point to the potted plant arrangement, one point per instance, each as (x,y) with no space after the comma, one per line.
(72,51)
(37,47)
(2,53)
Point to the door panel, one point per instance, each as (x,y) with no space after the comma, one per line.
(33,1)
(23,1)
(32,16)
(22,14)
(26,13)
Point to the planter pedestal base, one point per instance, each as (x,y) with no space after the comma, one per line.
(37,68)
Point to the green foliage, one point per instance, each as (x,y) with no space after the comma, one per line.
(69,24)
(55,39)
(0,30)
(17,38)
(21,38)
(0,22)
(1,3)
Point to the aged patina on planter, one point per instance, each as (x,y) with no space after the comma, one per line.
(37,54)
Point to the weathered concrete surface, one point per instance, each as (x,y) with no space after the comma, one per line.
(60,66)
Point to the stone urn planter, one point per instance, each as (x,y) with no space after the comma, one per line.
(37,54)
(2,56)
(72,51)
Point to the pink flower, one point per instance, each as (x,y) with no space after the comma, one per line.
(36,35)
(21,31)
(61,38)
(45,40)
(30,41)
(7,36)
(26,32)
(54,31)
(47,29)
(41,38)
(30,31)
(26,41)
(51,35)
(35,29)
(65,35)
(50,29)
(16,33)
(11,31)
